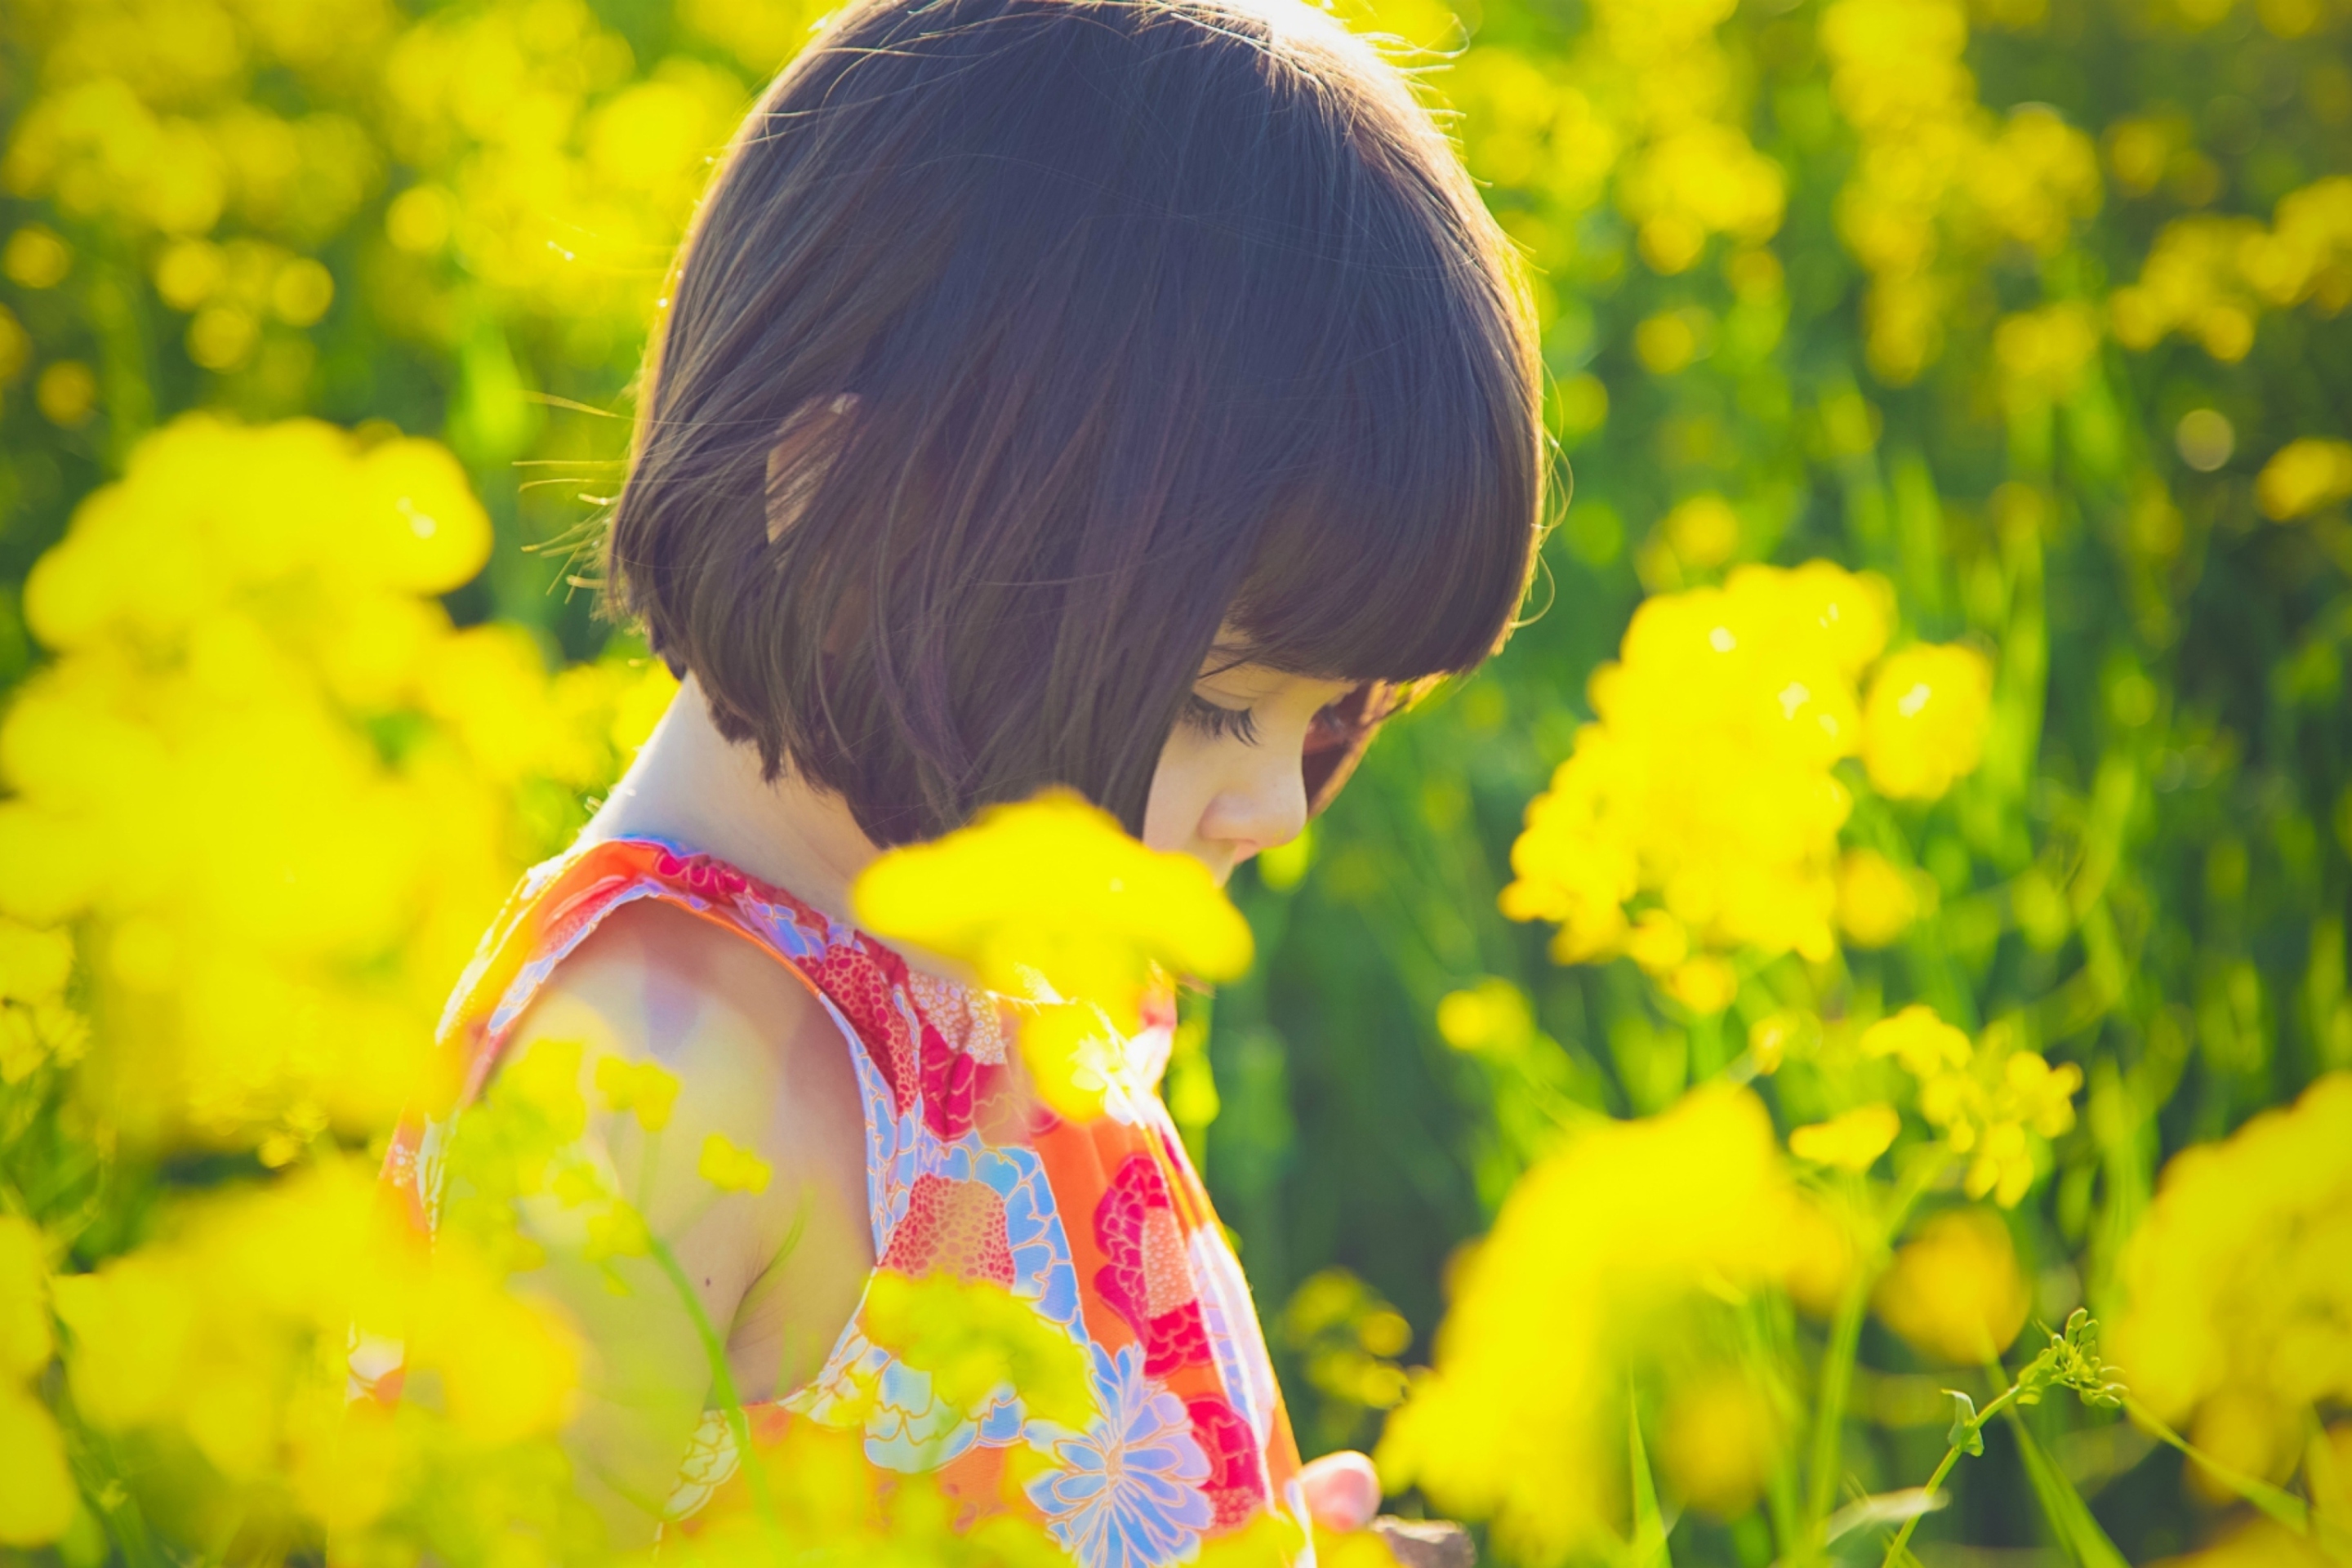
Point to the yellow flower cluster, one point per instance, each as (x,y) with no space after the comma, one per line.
(973,1338)
(2236,1290)
(1983,1099)
(2304,477)
(1650,97)
(1923,725)
(1953,1292)
(1050,902)
(282,791)
(231,1333)
(1709,779)
(38,1503)
(1347,1339)
(2209,278)
(1521,1420)
(560,175)
(36,1026)
(556,167)
(1940,183)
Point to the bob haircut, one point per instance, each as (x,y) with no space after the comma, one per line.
(1021,346)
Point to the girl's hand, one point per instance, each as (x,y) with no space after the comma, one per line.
(1343,1490)
(1343,1494)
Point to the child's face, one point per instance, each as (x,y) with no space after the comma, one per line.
(1231,780)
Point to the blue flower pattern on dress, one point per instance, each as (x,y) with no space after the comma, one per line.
(1128,1491)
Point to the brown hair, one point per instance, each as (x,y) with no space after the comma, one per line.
(1021,344)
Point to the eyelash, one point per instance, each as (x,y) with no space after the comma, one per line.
(1218,723)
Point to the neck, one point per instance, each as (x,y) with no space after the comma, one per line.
(692,785)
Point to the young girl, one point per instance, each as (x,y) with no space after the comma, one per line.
(1125,394)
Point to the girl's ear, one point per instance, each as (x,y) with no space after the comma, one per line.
(807,443)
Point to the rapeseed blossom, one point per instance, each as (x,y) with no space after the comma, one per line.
(2234,1288)
(1719,1439)
(1953,1292)
(1984,1100)
(2208,277)
(2304,476)
(1759,680)
(230,1333)
(1924,721)
(38,1502)
(1598,1245)
(1876,900)
(1852,1140)
(1049,902)
(1940,183)
(278,933)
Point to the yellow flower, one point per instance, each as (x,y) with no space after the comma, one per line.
(1049,901)
(1876,902)
(2303,477)
(1955,1293)
(2235,1288)
(732,1168)
(647,1089)
(24,1315)
(1983,1100)
(1851,1142)
(1052,890)
(1658,942)
(1704,985)
(615,1229)
(1719,1442)
(1924,724)
(1755,682)
(38,1503)
(1924,1044)
(976,1342)
(1520,1420)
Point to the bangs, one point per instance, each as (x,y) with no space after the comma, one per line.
(1406,552)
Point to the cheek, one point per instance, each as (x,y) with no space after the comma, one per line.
(1181,787)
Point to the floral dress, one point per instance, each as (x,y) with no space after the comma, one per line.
(1102,1229)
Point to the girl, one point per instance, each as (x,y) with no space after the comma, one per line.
(1125,394)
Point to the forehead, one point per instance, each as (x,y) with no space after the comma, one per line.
(1233,668)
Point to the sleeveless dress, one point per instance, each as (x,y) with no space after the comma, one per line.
(1102,1229)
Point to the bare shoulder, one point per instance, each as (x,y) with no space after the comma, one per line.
(758,1059)
(666,983)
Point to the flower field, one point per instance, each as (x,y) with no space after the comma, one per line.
(1835,1047)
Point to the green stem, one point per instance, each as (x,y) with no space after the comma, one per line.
(722,1379)
(1838,1357)
(1837,1384)
(1897,1548)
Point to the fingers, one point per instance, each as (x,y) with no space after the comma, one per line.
(1343,1490)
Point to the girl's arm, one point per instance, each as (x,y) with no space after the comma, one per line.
(774,1274)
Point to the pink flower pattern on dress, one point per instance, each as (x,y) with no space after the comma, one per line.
(1147,1280)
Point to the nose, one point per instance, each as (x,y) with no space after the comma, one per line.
(1264,807)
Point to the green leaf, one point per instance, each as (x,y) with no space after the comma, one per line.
(1649,1525)
(1965,1435)
(2069,1517)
